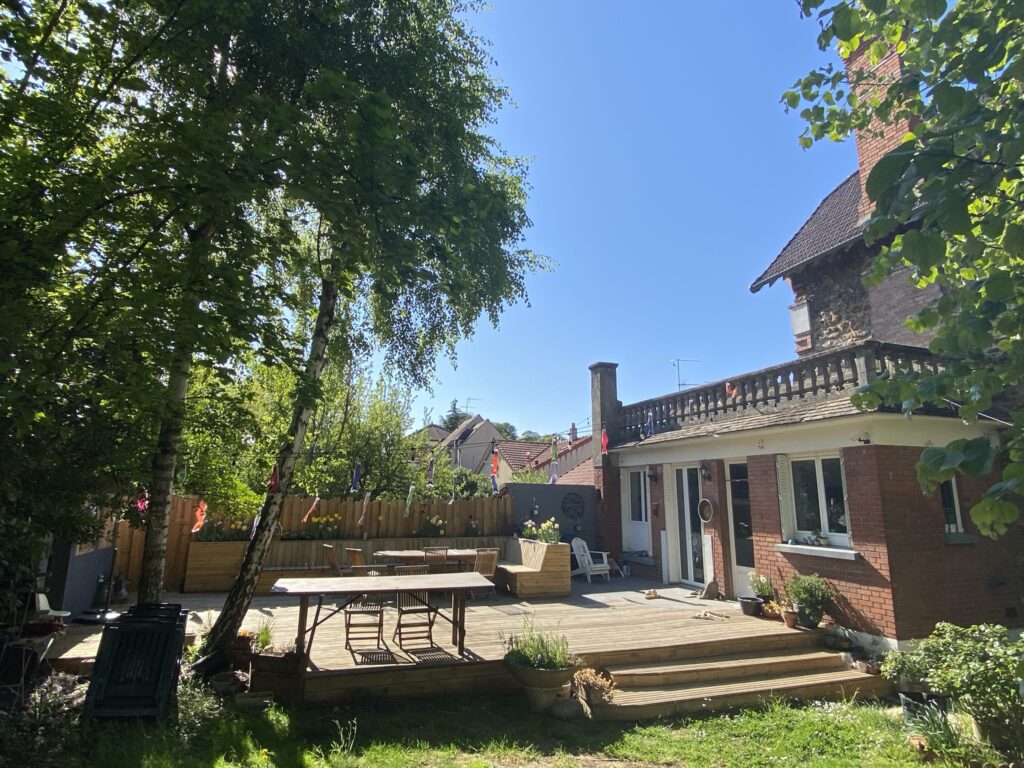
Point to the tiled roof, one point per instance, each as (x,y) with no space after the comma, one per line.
(832,225)
(461,431)
(581,474)
(517,453)
(765,416)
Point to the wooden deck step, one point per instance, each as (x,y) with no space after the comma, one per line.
(652,702)
(721,668)
(769,641)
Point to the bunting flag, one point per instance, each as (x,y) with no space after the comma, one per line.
(604,441)
(366,503)
(142,502)
(554,449)
(649,426)
(200,513)
(357,476)
(494,463)
(430,473)
(408,500)
(452,499)
(554,473)
(494,484)
(730,390)
(274,481)
(255,525)
(311,510)
(573,435)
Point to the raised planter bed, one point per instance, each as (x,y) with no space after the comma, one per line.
(213,565)
(531,568)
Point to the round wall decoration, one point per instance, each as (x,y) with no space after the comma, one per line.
(572,506)
(705,510)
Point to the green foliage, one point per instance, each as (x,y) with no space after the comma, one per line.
(949,206)
(264,637)
(813,593)
(547,532)
(761,585)
(537,648)
(534,476)
(950,738)
(981,667)
(506,429)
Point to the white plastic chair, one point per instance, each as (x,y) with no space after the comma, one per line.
(44,610)
(586,564)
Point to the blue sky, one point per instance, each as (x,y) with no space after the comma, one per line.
(665,177)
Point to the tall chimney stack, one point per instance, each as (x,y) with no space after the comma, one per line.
(879,138)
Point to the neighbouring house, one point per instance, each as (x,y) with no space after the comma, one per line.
(514,456)
(775,471)
(435,434)
(469,444)
(571,454)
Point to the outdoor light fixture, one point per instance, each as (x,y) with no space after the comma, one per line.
(705,471)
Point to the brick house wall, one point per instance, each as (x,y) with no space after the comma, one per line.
(714,489)
(609,520)
(907,576)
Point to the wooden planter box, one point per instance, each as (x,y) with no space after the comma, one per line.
(213,565)
(534,569)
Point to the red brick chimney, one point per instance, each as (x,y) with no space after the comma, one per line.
(879,138)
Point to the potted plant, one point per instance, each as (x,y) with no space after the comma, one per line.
(772,610)
(593,686)
(540,661)
(761,586)
(791,617)
(908,671)
(812,596)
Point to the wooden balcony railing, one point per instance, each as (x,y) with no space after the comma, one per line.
(812,377)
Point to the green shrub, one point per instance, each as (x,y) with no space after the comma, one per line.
(948,738)
(537,648)
(981,668)
(813,593)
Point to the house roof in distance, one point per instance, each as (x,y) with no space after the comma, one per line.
(463,431)
(435,433)
(581,474)
(517,453)
(543,458)
(833,224)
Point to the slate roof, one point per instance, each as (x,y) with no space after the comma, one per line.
(462,431)
(833,224)
(581,474)
(517,453)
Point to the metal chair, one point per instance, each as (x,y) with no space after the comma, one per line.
(486,563)
(416,615)
(364,615)
(436,559)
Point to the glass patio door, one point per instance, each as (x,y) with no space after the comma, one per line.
(740,528)
(691,540)
(639,515)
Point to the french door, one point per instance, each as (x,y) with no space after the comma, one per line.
(741,531)
(691,539)
(639,513)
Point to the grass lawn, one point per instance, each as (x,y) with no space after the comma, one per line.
(494,732)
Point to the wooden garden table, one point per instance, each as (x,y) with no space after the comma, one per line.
(350,587)
(412,556)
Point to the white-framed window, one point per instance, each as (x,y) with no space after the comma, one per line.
(951,507)
(813,498)
(637,497)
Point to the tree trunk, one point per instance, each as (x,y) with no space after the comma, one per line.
(237,602)
(154,554)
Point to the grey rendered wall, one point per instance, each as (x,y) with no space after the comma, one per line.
(549,500)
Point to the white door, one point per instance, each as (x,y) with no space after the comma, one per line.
(741,534)
(639,514)
(691,539)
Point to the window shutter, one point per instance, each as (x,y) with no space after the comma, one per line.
(786,508)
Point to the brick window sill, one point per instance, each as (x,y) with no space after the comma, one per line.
(835,553)
(962,538)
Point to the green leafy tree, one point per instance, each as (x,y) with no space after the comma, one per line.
(506,430)
(949,204)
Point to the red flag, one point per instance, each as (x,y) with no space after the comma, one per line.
(604,441)
(312,509)
(200,514)
(272,488)
(730,390)
(494,463)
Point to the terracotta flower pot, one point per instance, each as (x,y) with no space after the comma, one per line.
(791,618)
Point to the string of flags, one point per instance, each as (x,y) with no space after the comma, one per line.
(275,481)
(554,461)
(604,441)
(430,473)
(408,501)
(366,503)
(357,476)
(311,510)
(200,515)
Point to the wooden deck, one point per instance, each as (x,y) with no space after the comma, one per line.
(608,624)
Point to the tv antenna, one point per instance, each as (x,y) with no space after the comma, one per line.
(472,400)
(676,361)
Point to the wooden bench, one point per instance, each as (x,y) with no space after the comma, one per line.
(533,569)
